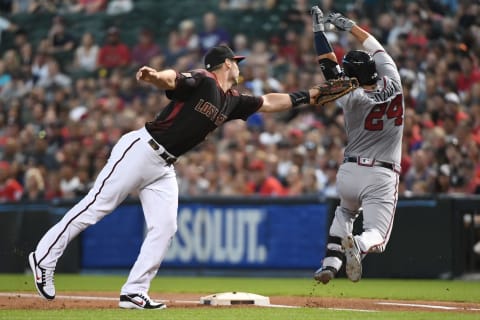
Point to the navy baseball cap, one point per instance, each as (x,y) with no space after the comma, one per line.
(217,55)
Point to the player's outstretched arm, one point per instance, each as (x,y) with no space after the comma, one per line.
(325,56)
(164,79)
(345,24)
(276,102)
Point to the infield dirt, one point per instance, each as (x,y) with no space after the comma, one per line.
(96,300)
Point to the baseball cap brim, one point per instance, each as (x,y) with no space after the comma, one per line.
(239,58)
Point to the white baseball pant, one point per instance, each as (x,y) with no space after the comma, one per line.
(133,166)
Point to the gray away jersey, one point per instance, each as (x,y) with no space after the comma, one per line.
(374,119)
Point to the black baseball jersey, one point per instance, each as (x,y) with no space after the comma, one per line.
(198,106)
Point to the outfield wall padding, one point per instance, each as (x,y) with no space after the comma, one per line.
(429,238)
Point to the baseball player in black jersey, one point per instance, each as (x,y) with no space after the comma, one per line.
(369,175)
(141,161)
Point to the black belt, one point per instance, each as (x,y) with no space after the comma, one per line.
(368,162)
(167,156)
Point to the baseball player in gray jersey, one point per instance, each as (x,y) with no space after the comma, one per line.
(368,178)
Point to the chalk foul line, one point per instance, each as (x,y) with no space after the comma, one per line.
(428,306)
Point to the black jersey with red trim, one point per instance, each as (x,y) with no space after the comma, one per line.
(198,106)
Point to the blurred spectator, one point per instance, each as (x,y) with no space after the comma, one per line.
(145,48)
(42,110)
(240,45)
(34,6)
(53,190)
(55,78)
(59,39)
(192,181)
(6,25)
(11,151)
(259,56)
(26,56)
(442,179)
(42,153)
(69,182)
(294,181)
(86,54)
(12,62)
(420,171)
(114,53)
(295,137)
(263,82)
(10,188)
(212,35)
(89,6)
(84,185)
(235,4)
(39,70)
(5,77)
(21,6)
(115,7)
(270,134)
(246,4)
(330,187)
(34,185)
(289,49)
(261,182)
(470,73)
(187,37)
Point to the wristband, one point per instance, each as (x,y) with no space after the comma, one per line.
(299,98)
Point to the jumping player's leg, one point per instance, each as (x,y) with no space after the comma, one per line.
(378,214)
(160,204)
(341,226)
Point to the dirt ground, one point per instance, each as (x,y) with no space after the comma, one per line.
(95,300)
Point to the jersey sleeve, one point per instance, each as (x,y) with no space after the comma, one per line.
(386,66)
(245,106)
(184,83)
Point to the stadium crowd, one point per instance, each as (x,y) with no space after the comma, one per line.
(65,101)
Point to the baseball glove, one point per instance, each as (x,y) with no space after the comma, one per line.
(333,89)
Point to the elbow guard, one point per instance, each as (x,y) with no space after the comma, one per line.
(331,69)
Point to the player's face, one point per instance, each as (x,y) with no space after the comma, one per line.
(234,72)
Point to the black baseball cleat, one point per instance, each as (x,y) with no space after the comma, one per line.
(325,274)
(43,278)
(139,301)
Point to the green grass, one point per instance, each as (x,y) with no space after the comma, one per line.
(441,290)
(444,290)
(227,313)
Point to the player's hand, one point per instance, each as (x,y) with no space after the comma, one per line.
(314,93)
(340,21)
(146,74)
(317,19)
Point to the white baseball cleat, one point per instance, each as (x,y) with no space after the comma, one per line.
(325,274)
(353,265)
(43,278)
(139,301)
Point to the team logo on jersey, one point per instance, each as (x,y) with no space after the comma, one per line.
(210,111)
